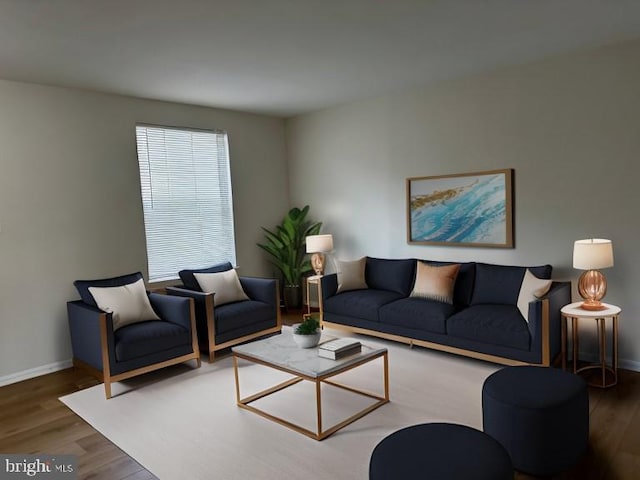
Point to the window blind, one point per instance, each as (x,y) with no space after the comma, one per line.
(185,183)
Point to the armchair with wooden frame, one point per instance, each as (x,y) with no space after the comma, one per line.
(114,353)
(222,326)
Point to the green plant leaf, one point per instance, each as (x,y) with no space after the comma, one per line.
(286,244)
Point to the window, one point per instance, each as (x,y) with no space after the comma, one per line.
(185,184)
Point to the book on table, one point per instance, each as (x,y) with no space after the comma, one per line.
(339,348)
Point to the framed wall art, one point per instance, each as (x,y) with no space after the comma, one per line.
(465,210)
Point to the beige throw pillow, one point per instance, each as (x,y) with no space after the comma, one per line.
(128,303)
(531,289)
(351,275)
(225,286)
(435,282)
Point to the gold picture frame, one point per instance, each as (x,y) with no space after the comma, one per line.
(463,210)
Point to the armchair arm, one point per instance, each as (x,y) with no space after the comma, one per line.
(203,306)
(261,289)
(558,296)
(86,334)
(329,284)
(172,309)
(200,299)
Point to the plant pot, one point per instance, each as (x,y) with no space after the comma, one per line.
(292,297)
(307,341)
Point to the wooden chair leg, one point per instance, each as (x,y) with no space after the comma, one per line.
(107,388)
(212,355)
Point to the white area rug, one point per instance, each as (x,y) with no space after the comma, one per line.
(184,423)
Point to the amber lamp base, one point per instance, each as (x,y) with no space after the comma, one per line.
(592,286)
(594,307)
(317,263)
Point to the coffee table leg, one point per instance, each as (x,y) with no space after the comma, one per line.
(235,373)
(385,359)
(319,409)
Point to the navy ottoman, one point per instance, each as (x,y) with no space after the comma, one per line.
(439,451)
(540,415)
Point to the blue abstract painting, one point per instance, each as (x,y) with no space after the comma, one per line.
(465,210)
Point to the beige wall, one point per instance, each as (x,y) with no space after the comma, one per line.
(70,203)
(569,126)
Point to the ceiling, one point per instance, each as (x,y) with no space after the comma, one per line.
(287,57)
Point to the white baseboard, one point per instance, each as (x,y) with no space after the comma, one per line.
(34,372)
(629,365)
(622,363)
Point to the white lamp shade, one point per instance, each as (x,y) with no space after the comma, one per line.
(319,243)
(592,254)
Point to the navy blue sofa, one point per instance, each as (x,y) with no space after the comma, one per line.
(223,326)
(483,322)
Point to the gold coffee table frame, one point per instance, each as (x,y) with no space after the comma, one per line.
(320,433)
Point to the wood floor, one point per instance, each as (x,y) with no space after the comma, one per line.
(33,420)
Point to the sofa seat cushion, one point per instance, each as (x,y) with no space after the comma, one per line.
(494,324)
(146,338)
(360,303)
(231,316)
(417,313)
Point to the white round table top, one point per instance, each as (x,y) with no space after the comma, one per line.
(574,310)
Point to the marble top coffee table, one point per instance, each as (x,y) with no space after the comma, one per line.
(281,353)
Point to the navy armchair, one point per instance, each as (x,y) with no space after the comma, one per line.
(114,349)
(228,324)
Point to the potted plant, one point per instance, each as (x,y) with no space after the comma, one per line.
(307,334)
(286,246)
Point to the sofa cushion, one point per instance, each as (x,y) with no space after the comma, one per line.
(351,275)
(189,280)
(417,313)
(463,289)
(83,285)
(531,289)
(494,324)
(232,316)
(500,284)
(224,285)
(435,282)
(141,339)
(126,303)
(360,303)
(392,275)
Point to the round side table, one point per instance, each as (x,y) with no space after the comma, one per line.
(608,373)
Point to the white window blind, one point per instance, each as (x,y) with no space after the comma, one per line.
(185,184)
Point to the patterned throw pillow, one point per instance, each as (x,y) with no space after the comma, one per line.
(435,282)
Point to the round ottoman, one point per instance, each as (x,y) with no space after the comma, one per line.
(439,451)
(540,415)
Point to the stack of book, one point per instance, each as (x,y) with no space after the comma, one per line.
(339,348)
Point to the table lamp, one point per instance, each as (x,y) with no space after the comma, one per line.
(590,255)
(318,245)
